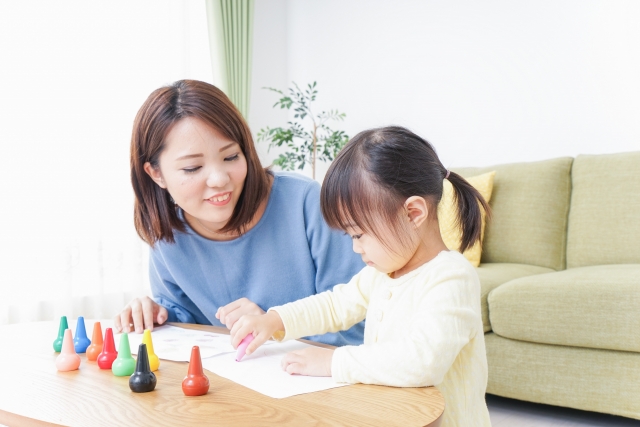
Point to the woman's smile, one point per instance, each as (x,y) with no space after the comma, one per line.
(219,199)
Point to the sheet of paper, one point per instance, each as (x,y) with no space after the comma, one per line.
(173,343)
(261,371)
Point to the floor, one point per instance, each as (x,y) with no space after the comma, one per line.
(515,413)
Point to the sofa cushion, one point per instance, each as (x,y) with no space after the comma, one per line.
(495,274)
(448,215)
(583,378)
(594,307)
(604,218)
(530,203)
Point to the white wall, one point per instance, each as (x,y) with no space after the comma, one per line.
(486,82)
(270,69)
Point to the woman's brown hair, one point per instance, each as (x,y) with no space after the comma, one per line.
(378,170)
(155,215)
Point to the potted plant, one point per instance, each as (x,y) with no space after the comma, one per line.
(307,137)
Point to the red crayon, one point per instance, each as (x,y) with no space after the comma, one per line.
(196,382)
(109,353)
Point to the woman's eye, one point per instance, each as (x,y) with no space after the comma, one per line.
(232,158)
(355,236)
(191,170)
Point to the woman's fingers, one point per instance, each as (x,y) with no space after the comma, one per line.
(137,316)
(142,313)
(148,307)
(162,315)
(122,320)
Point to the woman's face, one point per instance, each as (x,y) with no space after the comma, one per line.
(202,170)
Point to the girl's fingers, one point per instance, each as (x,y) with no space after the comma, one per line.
(295,369)
(239,331)
(258,340)
(233,331)
(290,358)
(230,313)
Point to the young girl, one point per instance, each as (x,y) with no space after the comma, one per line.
(421,301)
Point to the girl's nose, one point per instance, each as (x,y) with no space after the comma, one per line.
(356,247)
(217,178)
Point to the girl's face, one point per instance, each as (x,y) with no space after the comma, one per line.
(202,170)
(375,254)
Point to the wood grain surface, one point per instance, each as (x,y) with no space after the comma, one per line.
(34,393)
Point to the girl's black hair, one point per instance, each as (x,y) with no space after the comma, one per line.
(374,174)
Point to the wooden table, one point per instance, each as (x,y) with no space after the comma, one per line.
(34,393)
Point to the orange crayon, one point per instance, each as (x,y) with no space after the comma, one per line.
(94,350)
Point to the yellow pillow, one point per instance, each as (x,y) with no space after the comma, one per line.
(447,215)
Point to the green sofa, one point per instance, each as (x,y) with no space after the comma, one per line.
(560,275)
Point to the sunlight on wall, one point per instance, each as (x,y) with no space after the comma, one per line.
(74,75)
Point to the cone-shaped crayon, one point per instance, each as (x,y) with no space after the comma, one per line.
(142,380)
(108,353)
(80,341)
(196,382)
(67,360)
(125,364)
(57,343)
(96,342)
(154,361)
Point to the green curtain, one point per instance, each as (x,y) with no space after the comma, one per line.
(231,40)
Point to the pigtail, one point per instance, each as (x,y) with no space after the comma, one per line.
(470,206)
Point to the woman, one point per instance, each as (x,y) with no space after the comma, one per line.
(228,237)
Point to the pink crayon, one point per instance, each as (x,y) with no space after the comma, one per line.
(68,359)
(242,348)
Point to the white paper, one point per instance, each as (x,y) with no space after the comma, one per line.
(261,371)
(173,343)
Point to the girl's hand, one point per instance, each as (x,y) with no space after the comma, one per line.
(230,313)
(261,326)
(142,313)
(312,361)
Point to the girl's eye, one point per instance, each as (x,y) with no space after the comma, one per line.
(232,158)
(191,170)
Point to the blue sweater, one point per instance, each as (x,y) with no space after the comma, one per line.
(289,254)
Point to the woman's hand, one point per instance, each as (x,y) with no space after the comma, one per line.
(142,313)
(230,313)
(312,361)
(261,326)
